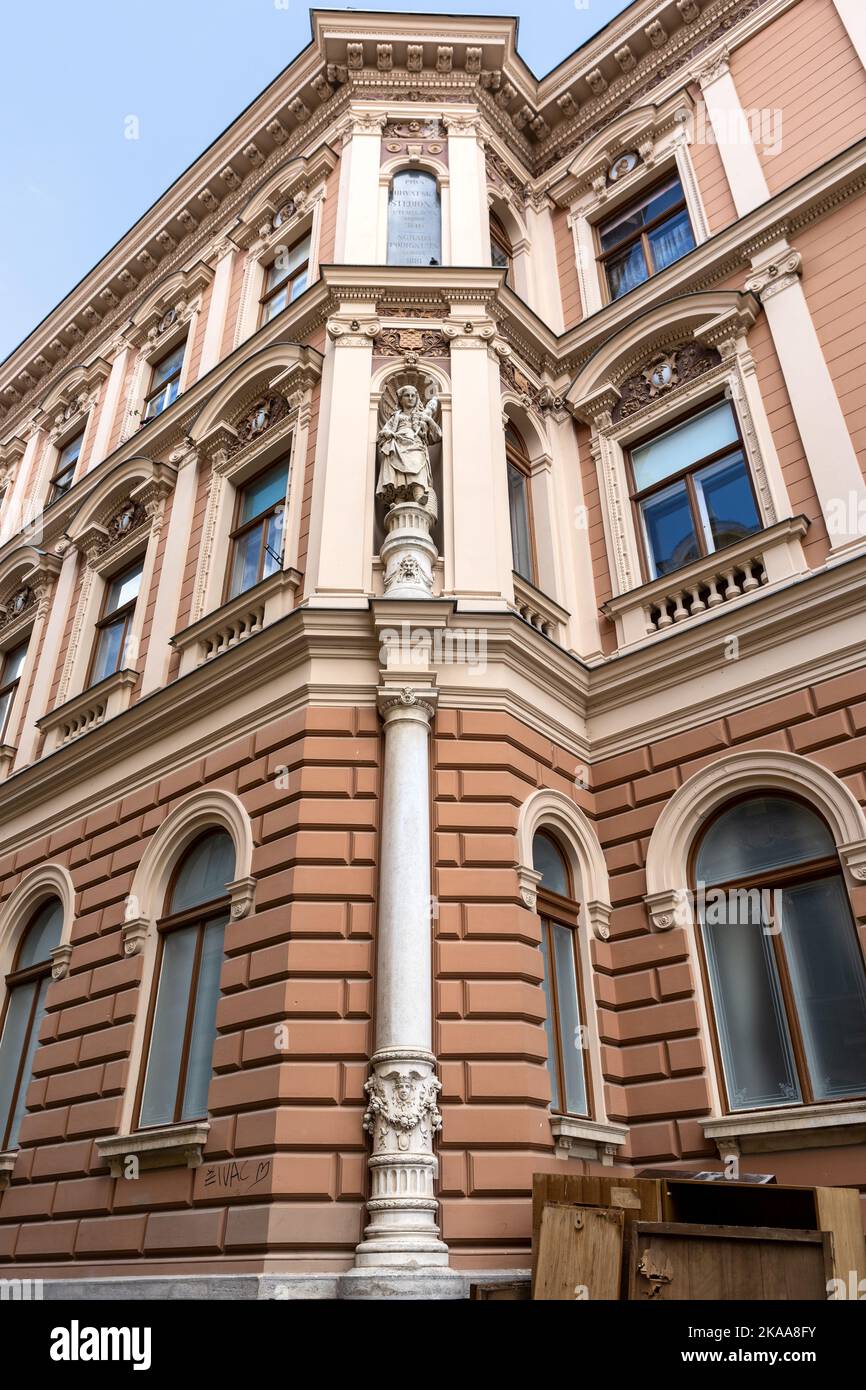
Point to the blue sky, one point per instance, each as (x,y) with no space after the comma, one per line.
(76,71)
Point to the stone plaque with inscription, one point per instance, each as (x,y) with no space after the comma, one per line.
(414,220)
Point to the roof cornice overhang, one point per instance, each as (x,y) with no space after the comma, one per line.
(541,121)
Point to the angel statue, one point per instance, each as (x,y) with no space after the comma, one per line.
(405,474)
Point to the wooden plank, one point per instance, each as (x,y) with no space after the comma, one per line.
(579,1253)
(639,1198)
(673,1261)
(839,1213)
(512,1292)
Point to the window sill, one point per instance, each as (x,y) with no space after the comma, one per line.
(8,1160)
(171,1146)
(762,561)
(236,621)
(88,710)
(576,1137)
(793,1127)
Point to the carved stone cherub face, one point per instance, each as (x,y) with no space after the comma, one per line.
(407,398)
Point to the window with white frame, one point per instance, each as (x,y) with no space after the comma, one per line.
(257,537)
(26,988)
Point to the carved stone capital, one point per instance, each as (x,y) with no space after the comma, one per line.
(719,65)
(407,703)
(776,275)
(528,880)
(353,332)
(402,1113)
(60,958)
(243,893)
(134,934)
(669,908)
(853,856)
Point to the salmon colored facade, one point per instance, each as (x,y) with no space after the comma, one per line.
(353,834)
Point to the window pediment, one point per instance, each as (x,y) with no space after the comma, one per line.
(284,198)
(26,581)
(164,315)
(260,398)
(65,409)
(639,131)
(660,352)
(120,514)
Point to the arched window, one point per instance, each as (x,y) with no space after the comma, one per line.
(183,1027)
(566,1035)
(785,971)
(414,219)
(501,253)
(26,987)
(520,505)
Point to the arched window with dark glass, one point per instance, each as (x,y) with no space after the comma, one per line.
(564,1025)
(501,252)
(414,219)
(183,1022)
(26,987)
(785,969)
(520,504)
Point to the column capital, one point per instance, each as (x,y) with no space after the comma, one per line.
(713,69)
(408,702)
(776,275)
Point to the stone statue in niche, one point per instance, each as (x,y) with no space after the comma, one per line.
(405,473)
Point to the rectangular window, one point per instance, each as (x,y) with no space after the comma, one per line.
(64,474)
(164,383)
(693,490)
(646,236)
(286,277)
(257,539)
(113,628)
(10,676)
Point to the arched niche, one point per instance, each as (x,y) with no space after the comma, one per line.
(414,218)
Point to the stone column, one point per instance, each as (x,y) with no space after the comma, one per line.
(853,15)
(736,147)
(830,454)
(402,1114)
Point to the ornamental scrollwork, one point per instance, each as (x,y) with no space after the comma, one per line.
(267,412)
(401,1104)
(664,372)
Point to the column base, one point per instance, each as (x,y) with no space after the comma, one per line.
(397,1282)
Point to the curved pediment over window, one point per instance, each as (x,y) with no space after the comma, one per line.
(635,132)
(120,511)
(660,351)
(261,393)
(283,197)
(168,306)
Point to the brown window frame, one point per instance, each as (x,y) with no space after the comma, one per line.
(642,234)
(288,279)
(54,495)
(126,612)
(10,687)
(200,917)
(638,496)
(156,391)
(239,529)
(519,459)
(773,879)
(499,237)
(564,912)
(37,972)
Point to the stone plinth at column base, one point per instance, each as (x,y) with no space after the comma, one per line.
(408,552)
(374,1283)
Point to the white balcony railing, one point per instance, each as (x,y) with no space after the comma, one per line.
(538,610)
(236,621)
(760,561)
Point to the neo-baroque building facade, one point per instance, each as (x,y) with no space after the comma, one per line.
(433,694)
